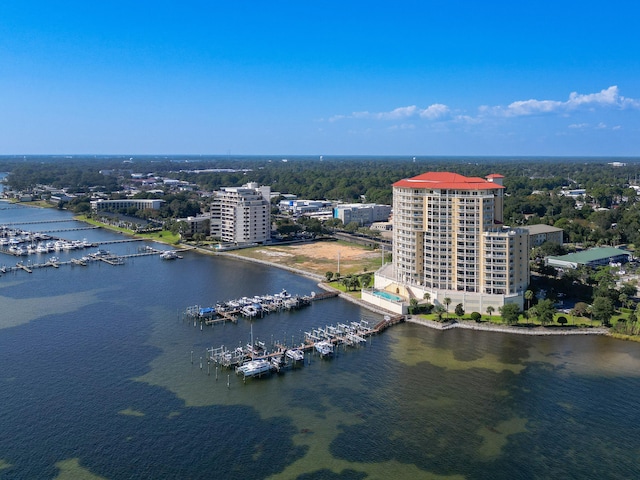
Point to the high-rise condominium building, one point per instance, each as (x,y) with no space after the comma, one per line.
(449,242)
(242,214)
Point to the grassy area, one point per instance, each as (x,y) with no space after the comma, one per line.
(164,236)
(37,203)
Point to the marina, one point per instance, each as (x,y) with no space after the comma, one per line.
(99,256)
(35,246)
(251,307)
(254,360)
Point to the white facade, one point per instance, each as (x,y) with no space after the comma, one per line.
(362,213)
(242,214)
(138,203)
(296,206)
(449,242)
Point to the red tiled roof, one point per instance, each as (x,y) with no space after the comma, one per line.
(495,175)
(447,181)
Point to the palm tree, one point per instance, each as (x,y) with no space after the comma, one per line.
(447,302)
(528,295)
(439,310)
(490,310)
(426,296)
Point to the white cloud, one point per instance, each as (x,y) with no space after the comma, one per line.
(432,112)
(435,111)
(598,126)
(605,98)
(402,126)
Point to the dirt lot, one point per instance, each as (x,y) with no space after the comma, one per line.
(320,257)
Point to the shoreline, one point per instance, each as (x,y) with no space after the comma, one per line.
(488,327)
(467,325)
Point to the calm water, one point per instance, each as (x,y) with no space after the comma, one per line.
(96,382)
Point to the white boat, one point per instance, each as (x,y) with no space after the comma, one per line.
(324,348)
(295,355)
(253,368)
(168,255)
(251,310)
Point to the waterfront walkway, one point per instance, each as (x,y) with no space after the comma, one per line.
(520,330)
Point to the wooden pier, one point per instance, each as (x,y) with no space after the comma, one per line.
(23,267)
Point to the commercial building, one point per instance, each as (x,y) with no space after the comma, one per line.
(362,213)
(594,257)
(303,207)
(538,234)
(242,215)
(449,242)
(137,203)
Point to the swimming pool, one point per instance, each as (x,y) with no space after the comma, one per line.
(387,296)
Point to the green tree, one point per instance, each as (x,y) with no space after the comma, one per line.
(413,305)
(459,310)
(490,310)
(544,310)
(602,309)
(476,316)
(439,311)
(328,276)
(510,313)
(580,309)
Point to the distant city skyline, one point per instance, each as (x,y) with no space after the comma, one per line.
(423,78)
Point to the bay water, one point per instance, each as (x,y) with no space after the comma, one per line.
(97,381)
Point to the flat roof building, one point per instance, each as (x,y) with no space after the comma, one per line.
(594,257)
(539,234)
(138,203)
(242,215)
(362,213)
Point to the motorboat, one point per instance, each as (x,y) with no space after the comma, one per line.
(295,355)
(169,255)
(324,348)
(254,367)
(251,310)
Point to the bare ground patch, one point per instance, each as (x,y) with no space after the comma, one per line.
(319,257)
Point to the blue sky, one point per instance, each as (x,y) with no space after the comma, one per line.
(320,78)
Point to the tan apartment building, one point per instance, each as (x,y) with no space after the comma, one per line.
(449,241)
(242,215)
